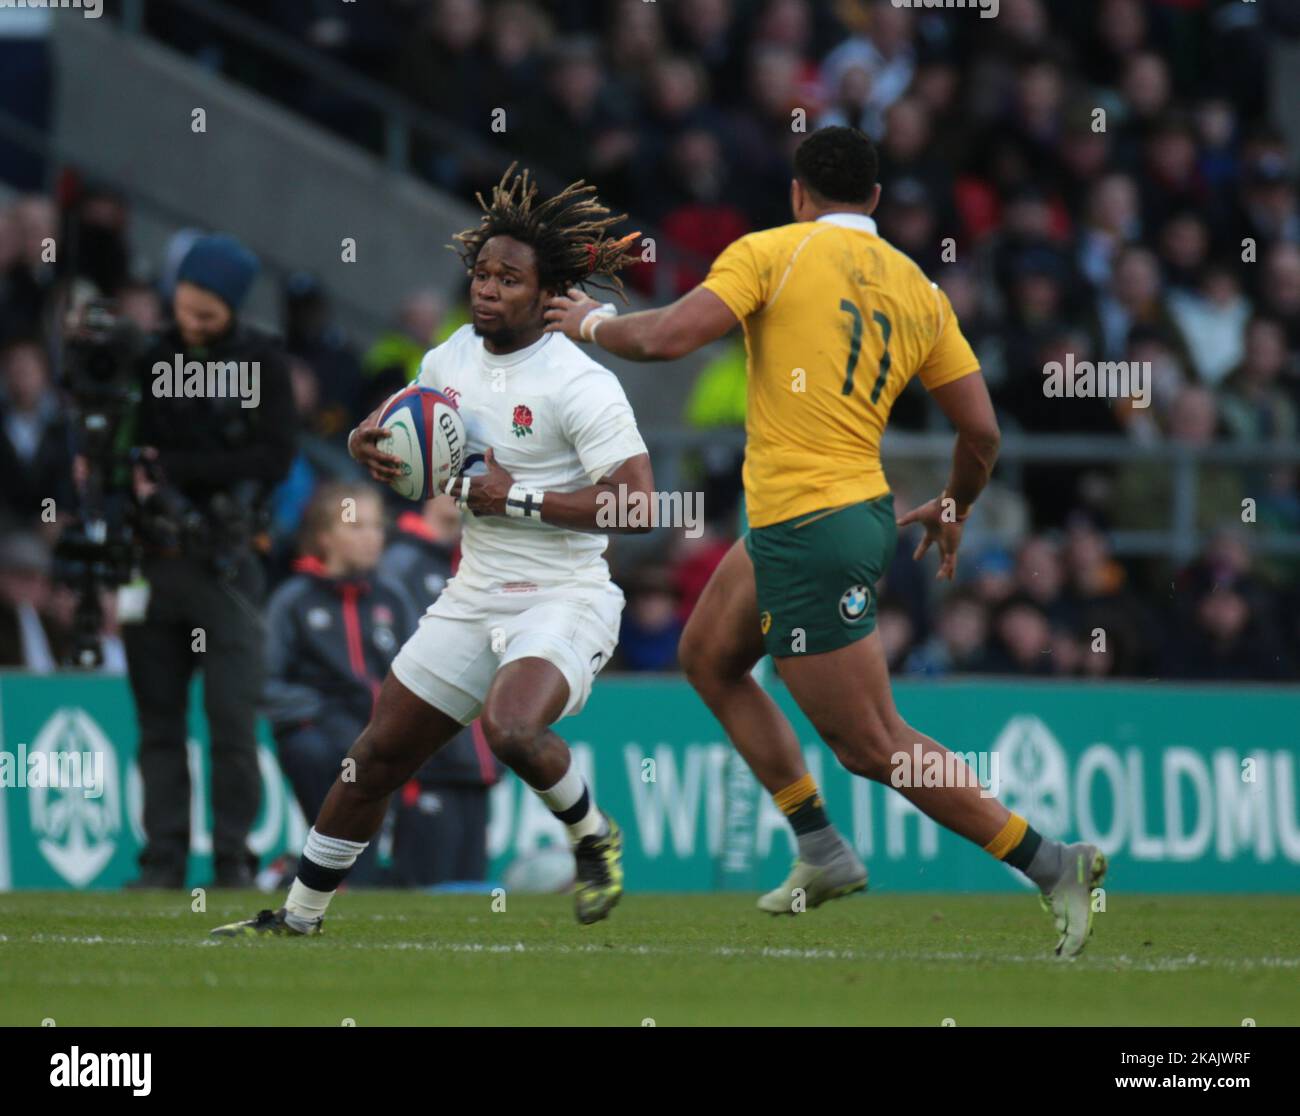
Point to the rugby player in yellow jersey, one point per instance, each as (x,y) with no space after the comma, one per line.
(836,323)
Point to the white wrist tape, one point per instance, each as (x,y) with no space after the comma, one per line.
(459,488)
(587,327)
(524,503)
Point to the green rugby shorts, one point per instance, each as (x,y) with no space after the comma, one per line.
(817,575)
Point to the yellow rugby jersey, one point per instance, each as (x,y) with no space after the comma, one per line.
(829,307)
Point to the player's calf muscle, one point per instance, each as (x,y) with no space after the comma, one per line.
(529,749)
(706,665)
(864,751)
(379,766)
(401,735)
(712,653)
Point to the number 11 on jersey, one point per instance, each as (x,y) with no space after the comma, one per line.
(855,349)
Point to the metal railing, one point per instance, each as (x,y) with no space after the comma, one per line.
(402,122)
(1179,538)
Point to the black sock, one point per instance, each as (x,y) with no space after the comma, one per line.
(1023,853)
(319,878)
(809,815)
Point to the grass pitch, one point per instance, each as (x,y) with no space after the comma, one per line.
(109,959)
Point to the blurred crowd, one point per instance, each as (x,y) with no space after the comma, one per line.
(1058,605)
(1105,180)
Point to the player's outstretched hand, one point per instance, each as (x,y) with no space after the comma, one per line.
(564,313)
(363,445)
(940,527)
(488,492)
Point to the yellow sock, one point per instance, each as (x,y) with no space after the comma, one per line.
(796,794)
(1016,843)
(801,803)
(1009,836)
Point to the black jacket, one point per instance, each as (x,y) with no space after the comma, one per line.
(11,637)
(208,445)
(328,644)
(416,561)
(47,474)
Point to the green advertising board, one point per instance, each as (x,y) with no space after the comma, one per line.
(1186,789)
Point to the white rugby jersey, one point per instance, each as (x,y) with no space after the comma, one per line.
(556,421)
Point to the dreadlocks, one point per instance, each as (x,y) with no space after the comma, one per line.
(566,233)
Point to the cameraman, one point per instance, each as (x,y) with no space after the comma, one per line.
(211,456)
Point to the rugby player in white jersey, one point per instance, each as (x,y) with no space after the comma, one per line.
(531,616)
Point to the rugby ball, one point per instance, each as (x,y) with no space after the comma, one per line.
(425,433)
(545,871)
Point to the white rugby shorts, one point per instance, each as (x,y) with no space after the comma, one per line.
(467,635)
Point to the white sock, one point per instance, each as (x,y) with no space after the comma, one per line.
(333,855)
(571,801)
(305,905)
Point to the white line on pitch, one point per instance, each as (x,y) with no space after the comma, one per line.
(1121,963)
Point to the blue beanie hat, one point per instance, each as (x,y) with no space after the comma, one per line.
(222,265)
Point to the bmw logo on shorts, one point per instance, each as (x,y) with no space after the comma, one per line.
(854,602)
